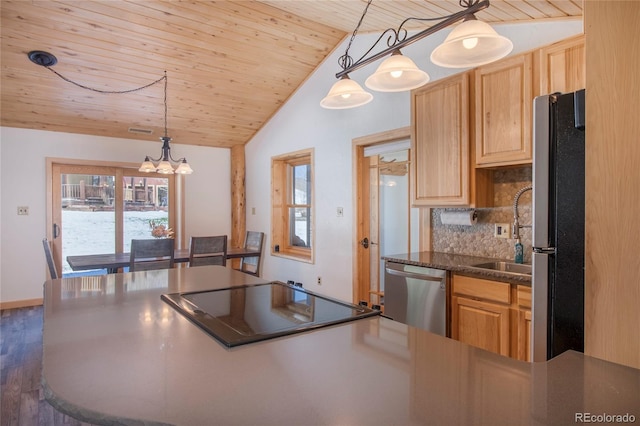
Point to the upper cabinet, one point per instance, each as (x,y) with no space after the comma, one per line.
(503,98)
(562,66)
(489,109)
(440,143)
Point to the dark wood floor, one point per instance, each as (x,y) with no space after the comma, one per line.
(22,401)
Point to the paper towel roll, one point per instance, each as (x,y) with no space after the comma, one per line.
(459,217)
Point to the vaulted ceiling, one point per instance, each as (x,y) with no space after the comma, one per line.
(230,64)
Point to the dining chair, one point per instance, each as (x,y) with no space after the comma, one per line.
(208,251)
(251,265)
(150,254)
(53,273)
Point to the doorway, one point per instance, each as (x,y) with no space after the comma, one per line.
(99,209)
(385,222)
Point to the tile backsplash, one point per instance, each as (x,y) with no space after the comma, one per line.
(478,240)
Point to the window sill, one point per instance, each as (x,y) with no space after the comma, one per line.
(292,256)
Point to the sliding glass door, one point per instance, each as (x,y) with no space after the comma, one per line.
(100,209)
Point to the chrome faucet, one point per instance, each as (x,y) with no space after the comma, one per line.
(516,223)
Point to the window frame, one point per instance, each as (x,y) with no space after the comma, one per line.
(282,200)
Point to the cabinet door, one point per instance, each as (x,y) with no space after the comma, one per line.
(524,335)
(440,143)
(562,66)
(503,98)
(523,324)
(481,324)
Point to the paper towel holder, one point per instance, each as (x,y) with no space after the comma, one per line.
(466,217)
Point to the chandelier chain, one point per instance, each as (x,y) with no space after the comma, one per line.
(345,60)
(82,86)
(165,102)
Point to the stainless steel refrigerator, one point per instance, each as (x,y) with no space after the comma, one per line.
(558,224)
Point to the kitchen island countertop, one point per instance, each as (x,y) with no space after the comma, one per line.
(115,353)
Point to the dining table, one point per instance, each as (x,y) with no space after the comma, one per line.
(114,261)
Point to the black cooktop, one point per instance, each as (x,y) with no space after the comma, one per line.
(239,315)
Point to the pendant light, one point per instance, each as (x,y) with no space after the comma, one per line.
(396,74)
(164,162)
(345,93)
(472,43)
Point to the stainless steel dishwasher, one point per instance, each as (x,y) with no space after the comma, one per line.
(416,296)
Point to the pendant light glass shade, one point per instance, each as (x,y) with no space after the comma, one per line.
(147,166)
(345,93)
(184,168)
(471,44)
(397,73)
(164,167)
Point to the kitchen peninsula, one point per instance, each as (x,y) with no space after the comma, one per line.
(115,353)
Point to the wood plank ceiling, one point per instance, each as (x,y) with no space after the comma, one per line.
(230,64)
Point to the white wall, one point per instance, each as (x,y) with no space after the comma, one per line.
(302,123)
(23,183)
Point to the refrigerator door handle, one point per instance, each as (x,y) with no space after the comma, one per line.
(544,250)
(539,307)
(541,164)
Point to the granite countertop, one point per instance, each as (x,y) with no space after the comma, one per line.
(115,353)
(459,264)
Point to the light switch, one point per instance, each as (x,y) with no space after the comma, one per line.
(339,211)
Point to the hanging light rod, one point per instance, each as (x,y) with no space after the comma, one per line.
(163,164)
(472,43)
(400,43)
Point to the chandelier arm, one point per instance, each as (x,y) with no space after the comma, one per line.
(392,40)
(155,160)
(451,19)
(179,160)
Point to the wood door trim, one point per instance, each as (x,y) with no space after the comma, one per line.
(358,144)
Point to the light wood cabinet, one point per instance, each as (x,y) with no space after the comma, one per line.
(492,315)
(503,101)
(480,314)
(522,318)
(440,143)
(562,66)
(481,324)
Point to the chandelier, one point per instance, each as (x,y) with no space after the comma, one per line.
(165,163)
(472,43)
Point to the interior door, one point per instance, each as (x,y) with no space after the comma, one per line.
(384,215)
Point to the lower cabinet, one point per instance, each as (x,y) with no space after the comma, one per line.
(482,324)
(492,315)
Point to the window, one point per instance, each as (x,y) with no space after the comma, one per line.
(292,205)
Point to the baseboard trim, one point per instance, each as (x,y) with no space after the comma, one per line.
(15,304)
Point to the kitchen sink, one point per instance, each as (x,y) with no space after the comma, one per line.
(511,268)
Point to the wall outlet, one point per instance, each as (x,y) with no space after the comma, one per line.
(502,230)
(23,210)
(319,280)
